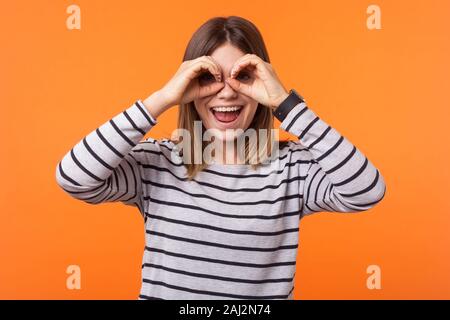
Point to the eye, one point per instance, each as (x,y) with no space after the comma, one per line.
(206,78)
(244,76)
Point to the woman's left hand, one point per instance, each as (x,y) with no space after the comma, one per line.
(263,85)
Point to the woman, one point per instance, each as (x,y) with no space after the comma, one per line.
(217,229)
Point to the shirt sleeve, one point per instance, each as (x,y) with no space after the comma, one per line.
(339,178)
(103,166)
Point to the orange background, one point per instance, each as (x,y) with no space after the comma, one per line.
(386,90)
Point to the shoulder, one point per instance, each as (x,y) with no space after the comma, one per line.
(157,148)
(291,146)
(156,144)
(294,150)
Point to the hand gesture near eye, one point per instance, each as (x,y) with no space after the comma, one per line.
(257,79)
(191,81)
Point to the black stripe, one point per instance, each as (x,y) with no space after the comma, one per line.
(205,226)
(106,195)
(78,163)
(296,117)
(367,204)
(219,245)
(263,175)
(135,181)
(215,186)
(323,209)
(149,297)
(205,196)
(65,176)
(315,192)
(353,177)
(107,187)
(84,191)
(212,293)
(212,171)
(324,199)
(325,154)
(253,175)
(116,179)
(340,201)
(108,144)
(343,162)
(238,216)
(292,289)
(92,152)
(287,164)
(144,113)
(210,276)
(160,143)
(225,262)
(309,185)
(304,131)
(159,153)
(328,129)
(125,113)
(309,208)
(141,209)
(131,143)
(126,185)
(370,187)
(330,197)
(93,196)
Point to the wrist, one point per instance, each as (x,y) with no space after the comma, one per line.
(156,104)
(287,104)
(279,100)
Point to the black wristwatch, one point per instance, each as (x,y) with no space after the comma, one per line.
(287,105)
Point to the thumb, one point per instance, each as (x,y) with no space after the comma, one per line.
(238,86)
(211,89)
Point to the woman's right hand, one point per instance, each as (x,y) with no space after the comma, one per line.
(194,79)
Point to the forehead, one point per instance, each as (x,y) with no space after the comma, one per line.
(226,55)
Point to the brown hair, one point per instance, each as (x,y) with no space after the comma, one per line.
(244,35)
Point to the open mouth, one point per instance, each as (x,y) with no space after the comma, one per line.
(226,114)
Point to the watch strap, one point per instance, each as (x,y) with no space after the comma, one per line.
(287,105)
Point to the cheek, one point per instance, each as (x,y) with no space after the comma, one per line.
(203,113)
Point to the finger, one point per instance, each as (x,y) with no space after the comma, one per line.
(215,70)
(239,86)
(250,65)
(241,59)
(217,66)
(210,89)
(203,65)
(248,61)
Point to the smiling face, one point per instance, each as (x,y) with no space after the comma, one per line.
(227,109)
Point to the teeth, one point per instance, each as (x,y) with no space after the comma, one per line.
(227,109)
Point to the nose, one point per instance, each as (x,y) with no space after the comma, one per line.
(227,92)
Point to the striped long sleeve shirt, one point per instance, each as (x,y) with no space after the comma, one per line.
(231,232)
